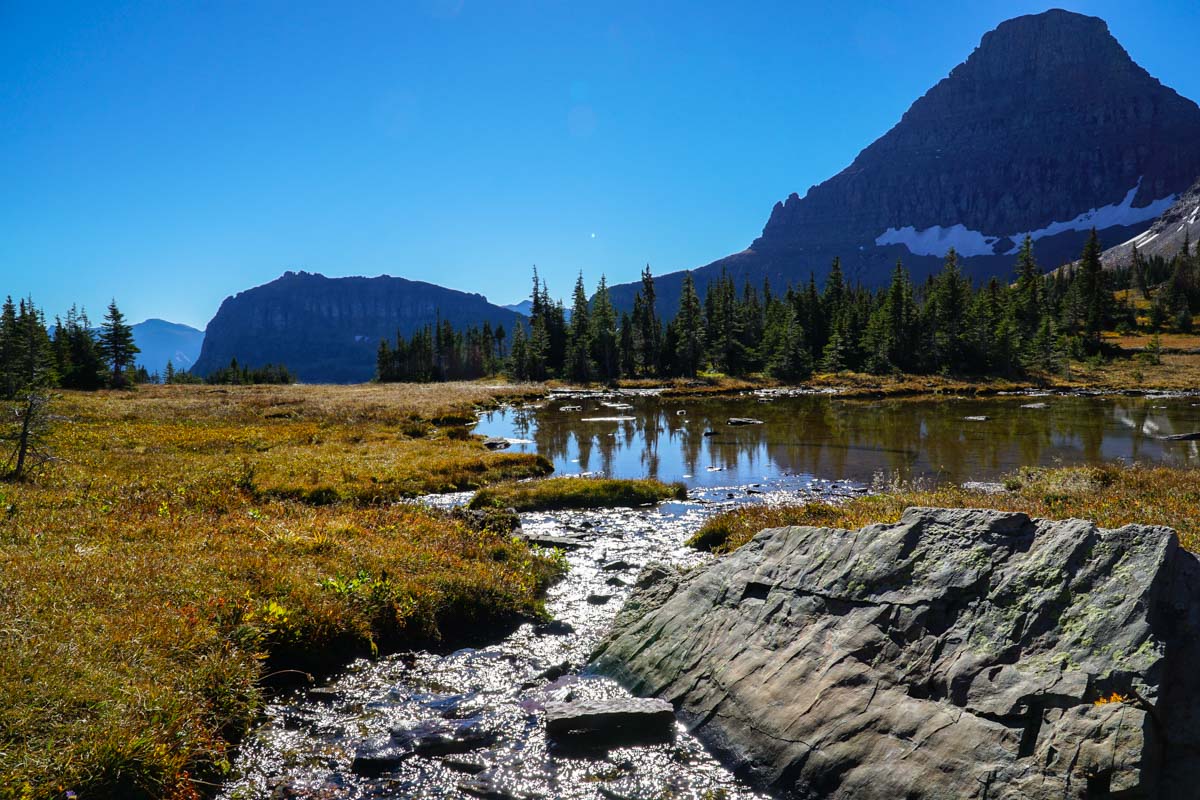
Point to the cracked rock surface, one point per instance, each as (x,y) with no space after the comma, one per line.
(954,654)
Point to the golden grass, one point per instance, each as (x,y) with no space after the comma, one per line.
(1111,496)
(154,574)
(559,493)
(1183,342)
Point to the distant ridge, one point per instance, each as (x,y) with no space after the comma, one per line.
(327,330)
(161,341)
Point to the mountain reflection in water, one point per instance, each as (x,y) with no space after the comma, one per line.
(857,440)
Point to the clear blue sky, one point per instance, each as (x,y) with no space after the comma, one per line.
(173,153)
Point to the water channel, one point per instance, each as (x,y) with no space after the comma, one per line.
(489,699)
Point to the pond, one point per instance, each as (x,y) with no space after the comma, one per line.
(818,436)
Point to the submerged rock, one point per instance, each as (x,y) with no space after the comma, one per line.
(612,722)
(430,738)
(957,653)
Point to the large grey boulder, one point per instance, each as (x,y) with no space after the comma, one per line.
(955,654)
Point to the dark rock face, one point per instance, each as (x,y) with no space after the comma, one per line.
(1048,128)
(1166,237)
(327,330)
(953,654)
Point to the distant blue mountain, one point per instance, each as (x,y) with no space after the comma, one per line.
(161,341)
(525,307)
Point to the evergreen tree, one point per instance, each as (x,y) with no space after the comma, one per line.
(1027,300)
(605,349)
(647,332)
(10,348)
(689,330)
(518,355)
(579,366)
(116,345)
(792,359)
(1095,295)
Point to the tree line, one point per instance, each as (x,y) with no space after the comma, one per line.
(944,324)
(71,354)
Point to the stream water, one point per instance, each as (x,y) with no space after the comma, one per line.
(482,706)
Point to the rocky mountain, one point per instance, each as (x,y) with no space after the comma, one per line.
(1166,237)
(327,330)
(161,341)
(1048,128)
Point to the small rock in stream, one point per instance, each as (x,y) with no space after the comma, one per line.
(430,738)
(597,599)
(612,722)
(560,542)
(554,628)
(496,443)
(470,766)
(618,565)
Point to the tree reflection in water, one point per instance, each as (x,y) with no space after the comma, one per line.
(856,440)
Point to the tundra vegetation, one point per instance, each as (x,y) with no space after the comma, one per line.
(560,493)
(189,546)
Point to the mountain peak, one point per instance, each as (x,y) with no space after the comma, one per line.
(1048,128)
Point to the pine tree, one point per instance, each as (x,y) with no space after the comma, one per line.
(518,355)
(792,360)
(579,337)
(10,343)
(605,351)
(117,345)
(1027,302)
(647,333)
(689,330)
(1094,293)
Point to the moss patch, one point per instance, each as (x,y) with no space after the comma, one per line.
(560,493)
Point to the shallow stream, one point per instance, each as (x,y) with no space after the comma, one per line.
(491,697)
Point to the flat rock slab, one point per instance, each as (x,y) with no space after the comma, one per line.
(743,421)
(611,722)
(954,654)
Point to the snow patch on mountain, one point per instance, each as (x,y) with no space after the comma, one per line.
(1109,216)
(937,241)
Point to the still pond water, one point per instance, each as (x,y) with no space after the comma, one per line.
(807,436)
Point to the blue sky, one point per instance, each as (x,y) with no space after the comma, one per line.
(173,153)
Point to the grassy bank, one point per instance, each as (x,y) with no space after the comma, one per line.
(1178,369)
(1112,496)
(559,493)
(179,550)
